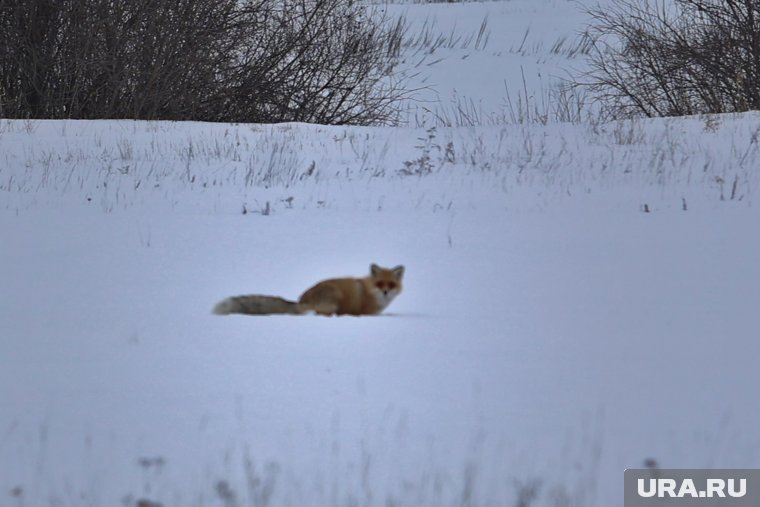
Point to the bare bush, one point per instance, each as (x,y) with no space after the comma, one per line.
(675,58)
(323,61)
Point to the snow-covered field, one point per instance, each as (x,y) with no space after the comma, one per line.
(578,298)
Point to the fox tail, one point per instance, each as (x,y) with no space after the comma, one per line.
(257,305)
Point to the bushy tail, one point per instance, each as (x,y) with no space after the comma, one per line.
(257,305)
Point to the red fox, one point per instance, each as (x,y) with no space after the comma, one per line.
(336,296)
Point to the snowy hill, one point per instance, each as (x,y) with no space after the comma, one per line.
(579,297)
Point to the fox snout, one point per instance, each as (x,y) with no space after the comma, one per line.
(386,287)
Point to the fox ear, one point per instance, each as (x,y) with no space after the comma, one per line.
(398,272)
(373,269)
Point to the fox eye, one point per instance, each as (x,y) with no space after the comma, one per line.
(391,285)
(386,285)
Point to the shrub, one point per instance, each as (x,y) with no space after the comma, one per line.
(323,61)
(676,58)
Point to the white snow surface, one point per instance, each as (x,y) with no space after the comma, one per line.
(577,299)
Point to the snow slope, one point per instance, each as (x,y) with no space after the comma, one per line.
(490,62)
(578,299)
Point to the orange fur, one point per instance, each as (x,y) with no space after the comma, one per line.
(337,296)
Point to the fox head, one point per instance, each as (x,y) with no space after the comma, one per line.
(385,283)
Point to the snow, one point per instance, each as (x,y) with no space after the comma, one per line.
(563,316)
(486,57)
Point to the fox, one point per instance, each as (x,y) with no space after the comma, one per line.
(336,296)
